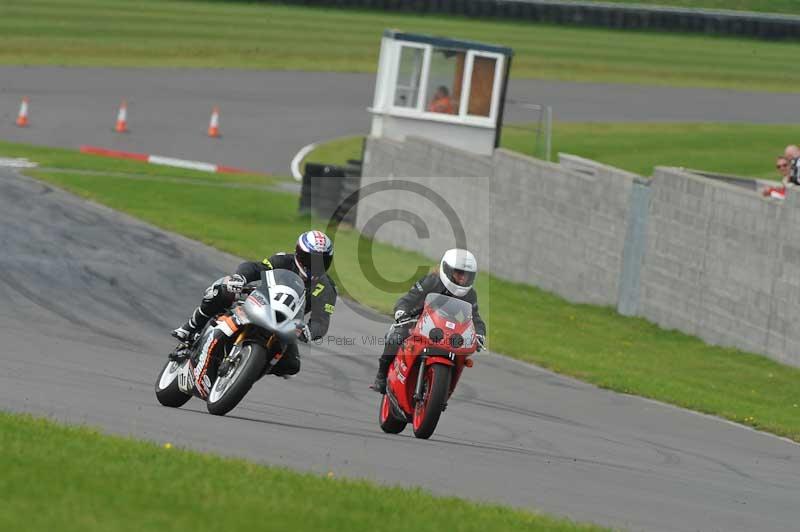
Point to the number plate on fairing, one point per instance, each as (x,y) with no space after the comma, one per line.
(184,380)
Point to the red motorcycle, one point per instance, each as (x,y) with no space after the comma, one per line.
(428,365)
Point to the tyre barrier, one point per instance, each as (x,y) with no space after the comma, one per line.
(330,192)
(596,14)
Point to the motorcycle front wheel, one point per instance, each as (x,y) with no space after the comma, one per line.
(388,422)
(231,388)
(435,389)
(167,391)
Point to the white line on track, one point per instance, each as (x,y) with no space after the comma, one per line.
(298,158)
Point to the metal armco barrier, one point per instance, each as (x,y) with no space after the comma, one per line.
(607,15)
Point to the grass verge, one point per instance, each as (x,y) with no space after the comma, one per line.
(113,484)
(589,342)
(171,33)
(739,149)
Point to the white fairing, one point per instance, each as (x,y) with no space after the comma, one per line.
(185,380)
(169,374)
(457,259)
(284,301)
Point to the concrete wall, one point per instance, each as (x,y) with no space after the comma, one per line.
(699,255)
(559,228)
(718,264)
(408,215)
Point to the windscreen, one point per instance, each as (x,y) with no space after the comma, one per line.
(453,309)
(286,278)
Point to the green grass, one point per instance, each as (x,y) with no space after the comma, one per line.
(182,34)
(75,479)
(740,149)
(592,343)
(336,151)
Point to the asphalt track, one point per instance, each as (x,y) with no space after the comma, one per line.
(266,117)
(87,296)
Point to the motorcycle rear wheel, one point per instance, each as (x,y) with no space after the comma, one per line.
(167,391)
(435,390)
(227,391)
(388,422)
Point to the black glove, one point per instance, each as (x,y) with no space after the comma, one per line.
(481,339)
(234,283)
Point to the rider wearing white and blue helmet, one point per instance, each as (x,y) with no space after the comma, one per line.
(311,259)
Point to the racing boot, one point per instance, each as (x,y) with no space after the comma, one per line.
(187,333)
(380,379)
(186,336)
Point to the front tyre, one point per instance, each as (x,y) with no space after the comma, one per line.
(231,388)
(435,388)
(388,422)
(167,391)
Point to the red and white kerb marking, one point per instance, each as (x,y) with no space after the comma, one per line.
(167,161)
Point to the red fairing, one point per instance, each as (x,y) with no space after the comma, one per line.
(403,373)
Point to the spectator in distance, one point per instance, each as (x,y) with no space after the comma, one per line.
(441,102)
(792,154)
(783,165)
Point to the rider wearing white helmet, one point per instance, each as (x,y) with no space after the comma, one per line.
(312,258)
(454,277)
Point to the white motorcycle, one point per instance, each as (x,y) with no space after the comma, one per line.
(237,347)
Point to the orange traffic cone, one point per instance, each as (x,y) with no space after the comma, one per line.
(122,118)
(22,117)
(213,124)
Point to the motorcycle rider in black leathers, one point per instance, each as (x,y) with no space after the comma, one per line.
(454,277)
(312,258)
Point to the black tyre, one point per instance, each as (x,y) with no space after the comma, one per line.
(435,390)
(388,422)
(228,390)
(167,391)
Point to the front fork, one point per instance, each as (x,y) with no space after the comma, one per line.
(274,360)
(420,378)
(228,359)
(237,347)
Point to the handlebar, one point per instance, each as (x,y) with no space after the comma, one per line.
(405,322)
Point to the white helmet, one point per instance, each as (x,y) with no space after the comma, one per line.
(461,263)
